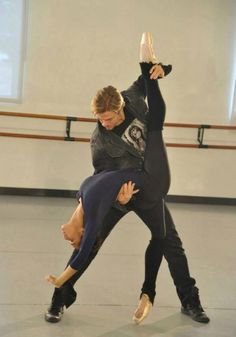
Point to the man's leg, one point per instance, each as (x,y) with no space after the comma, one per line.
(66,295)
(178,266)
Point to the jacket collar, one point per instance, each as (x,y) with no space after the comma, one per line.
(113,139)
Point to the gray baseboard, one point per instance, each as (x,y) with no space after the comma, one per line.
(37,192)
(187,199)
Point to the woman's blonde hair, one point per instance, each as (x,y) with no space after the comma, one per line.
(107,99)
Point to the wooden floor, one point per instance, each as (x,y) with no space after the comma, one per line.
(31,246)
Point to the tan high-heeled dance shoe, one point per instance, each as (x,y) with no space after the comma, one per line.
(147,53)
(143,309)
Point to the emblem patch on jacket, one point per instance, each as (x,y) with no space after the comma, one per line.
(135,135)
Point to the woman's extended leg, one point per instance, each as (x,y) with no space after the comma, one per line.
(156,183)
(156,174)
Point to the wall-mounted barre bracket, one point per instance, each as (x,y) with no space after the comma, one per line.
(200,135)
(68,127)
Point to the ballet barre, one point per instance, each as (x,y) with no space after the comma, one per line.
(201,128)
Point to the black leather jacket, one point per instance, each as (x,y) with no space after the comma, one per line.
(109,151)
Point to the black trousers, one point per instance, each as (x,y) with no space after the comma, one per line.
(170,247)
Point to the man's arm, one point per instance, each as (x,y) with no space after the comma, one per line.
(126,192)
(136,89)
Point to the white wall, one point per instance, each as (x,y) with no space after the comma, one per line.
(75,47)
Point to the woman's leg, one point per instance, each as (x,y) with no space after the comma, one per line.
(156,185)
(156,103)
(156,172)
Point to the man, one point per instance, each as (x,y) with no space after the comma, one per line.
(113,149)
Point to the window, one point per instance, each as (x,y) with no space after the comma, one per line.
(13,15)
(233,113)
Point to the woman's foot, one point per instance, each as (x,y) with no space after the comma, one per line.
(143,309)
(147,53)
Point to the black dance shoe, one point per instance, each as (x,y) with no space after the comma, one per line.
(55,310)
(196,313)
(54,314)
(64,296)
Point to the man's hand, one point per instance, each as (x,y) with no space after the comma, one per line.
(126,192)
(156,71)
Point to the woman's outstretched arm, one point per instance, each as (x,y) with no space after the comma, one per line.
(126,192)
(60,280)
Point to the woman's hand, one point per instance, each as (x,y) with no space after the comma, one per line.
(60,280)
(53,280)
(126,192)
